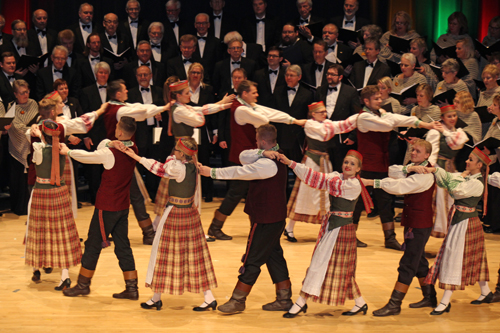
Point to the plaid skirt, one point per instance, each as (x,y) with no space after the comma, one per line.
(161,199)
(340,282)
(183,262)
(52,238)
(475,265)
(292,202)
(68,180)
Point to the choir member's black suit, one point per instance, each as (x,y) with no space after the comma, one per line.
(253,51)
(313,20)
(6,90)
(211,55)
(168,51)
(123,43)
(357,76)
(51,35)
(175,66)
(86,72)
(222,73)
(261,77)
(45,81)
(79,45)
(272,30)
(157,68)
(226,25)
(309,73)
(299,53)
(184,28)
(360,22)
(344,53)
(76,111)
(348,104)
(142,30)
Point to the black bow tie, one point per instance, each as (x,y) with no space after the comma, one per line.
(86,26)
(332,46)
(236,62)
(319,68)
(217,17)
(369,64)
(58,71)
(146,64)
(332,89)
(10,77)
(290,88)
(186,60)
(112,37)
(201,37)
(173,24)
(96,58)
(144,89)
(304,21)
(259,20)
(102,87)
(273,72)
(156,45)
(40,31)
(349,22)
(136,21)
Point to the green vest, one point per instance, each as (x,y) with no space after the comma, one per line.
(445,151)
(467,202)
(342,205)
(184,189)
(43,170)
(180,129)
(315,145)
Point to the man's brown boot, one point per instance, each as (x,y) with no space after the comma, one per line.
(237,301)
(215,227)
(283,300)
(83,284)
(148,232)
(394,306)
(131,290)
(390,236)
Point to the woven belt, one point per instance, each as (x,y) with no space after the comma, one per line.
(181,201)
(342,214)
(317,152)
(465,209)
(42,180)
(440,157)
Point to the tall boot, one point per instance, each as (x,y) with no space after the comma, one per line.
(429,293)
(148,232)
(131,290)
(496,295)
(394,306)
(215,227)
(283,300)
(390,236)
(358,242)
(83,284)
(237,301)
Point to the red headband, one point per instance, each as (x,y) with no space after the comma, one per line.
(356,154)
(482,156)
(182,147)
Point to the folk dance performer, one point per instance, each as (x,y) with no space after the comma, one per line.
(266,207)
(417,219)
(461,260)
(180,260)
(373,132)
(330,277)
(308,204)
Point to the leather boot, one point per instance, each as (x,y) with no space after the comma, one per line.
(215,227)
(131,290)
(394,306)
(390,236)
(83,284)
(358,242)
(429,293)
(148,233)
(237,301)
(283,300)
(496,294)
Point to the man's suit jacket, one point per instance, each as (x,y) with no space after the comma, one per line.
(51,39)
(142,30)
(357,76)
(123,43)
(266,96)
(87,73)
(291,138)
(74,107)
(222,73)
(226,25)
(211,55)
(360,22)
(32,49)
(315,20)
(168,51)
(175,66)
(79,45)
(90,100)
(299,53)
(224,120)
(344,53)
(184,28)
(6,90)
(253,51)
(207,96)
(45,81)
(272,31)
(309,73)
(157,68)
(143,137)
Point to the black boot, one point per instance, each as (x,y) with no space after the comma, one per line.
(83,284)
(148,232)
(390,236)
(394,306)
(237,301)
(131,290)
(283,300)
(429,299)
(496,294)
(215,227)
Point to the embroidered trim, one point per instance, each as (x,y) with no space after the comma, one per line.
(341,214)
(43,180)
(376,183)
(180,201)
(465,209)
(213,174)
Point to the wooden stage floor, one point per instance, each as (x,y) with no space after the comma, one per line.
(29,307)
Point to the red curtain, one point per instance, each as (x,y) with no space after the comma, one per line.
(489,9)
(16,10)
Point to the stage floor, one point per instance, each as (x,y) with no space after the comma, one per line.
(26,306)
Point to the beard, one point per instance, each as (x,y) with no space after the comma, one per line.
(21,41)
(156,40)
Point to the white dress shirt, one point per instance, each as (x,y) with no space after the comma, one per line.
(261,33)
(55,75)
(21,51)
(291,94)
(85,31)
(147,98)
(201,44)
(113,42)
(273,78)
(349,26)
(156,52)
(319,74)
(133,30)
(176,31)
(368,72)
(195,94)
(331,99)
(332,53)
(102,93)
(217,25)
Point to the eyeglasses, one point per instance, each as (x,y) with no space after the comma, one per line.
(201,23)
(111,22)
(195,73)
(235,48)
(143,75)
(290,75)
(330,74)
(320,112)
(272,56)
(20,29)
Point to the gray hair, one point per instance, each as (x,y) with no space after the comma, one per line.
(202,14)
(309,2)
(410,57)
(296,69)
(156,24)
(60,48)
(104,65)
(177,4)
(132,1)
(85,4)
(451,64)
(232,36)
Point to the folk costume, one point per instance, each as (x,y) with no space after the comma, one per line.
(445,147)
(417,220)
(492,218)
(51,235)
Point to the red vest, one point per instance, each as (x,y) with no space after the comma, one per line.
(418,212)
(110,121)
(266,198)
(242,137)
(374,147)
(114,192)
